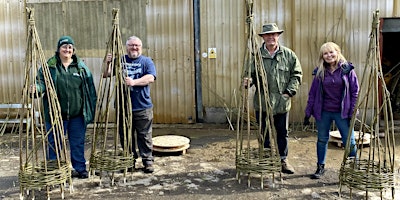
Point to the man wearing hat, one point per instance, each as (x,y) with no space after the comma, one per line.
(283,76)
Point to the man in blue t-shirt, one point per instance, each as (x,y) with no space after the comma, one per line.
(139,72)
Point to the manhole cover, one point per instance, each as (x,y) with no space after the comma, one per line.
(171,143)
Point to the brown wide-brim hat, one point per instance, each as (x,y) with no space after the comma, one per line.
(270,28)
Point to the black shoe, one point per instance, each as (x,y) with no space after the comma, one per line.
(286,167)
(97,173)
(320,171)
(81,175)
(74,174)
(148,169)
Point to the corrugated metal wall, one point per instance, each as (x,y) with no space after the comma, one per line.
(166,28)
(307,24)
(12,49)
(222,47)
(310,23)
(170,40)
(163,25)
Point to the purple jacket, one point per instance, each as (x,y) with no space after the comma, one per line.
(349,98)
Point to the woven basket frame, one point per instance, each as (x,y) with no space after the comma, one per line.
(251,161)
(37,177)
(107,162)
(366,176)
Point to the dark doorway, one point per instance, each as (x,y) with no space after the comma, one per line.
(390,60)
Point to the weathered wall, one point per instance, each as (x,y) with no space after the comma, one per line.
(166,28)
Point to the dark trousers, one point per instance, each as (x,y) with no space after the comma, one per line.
(142,130)
(280,124)
(75,129)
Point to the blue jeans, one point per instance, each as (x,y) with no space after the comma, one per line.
(75,128)
(323,127)
(280,124)
(142,128)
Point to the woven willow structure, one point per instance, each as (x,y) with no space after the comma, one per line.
(36,172)
(105,153)
(251,156)
(373,167)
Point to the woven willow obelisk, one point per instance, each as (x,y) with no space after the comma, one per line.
(106,154)
(251,156)
(36,172)
(373,167)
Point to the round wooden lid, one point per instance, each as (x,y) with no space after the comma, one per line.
(365,139)
(170,141)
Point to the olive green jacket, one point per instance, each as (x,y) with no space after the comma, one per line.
(283,74)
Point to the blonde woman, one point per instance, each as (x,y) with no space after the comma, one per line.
(332,97)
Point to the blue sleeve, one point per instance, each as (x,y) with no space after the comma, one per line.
(150,68)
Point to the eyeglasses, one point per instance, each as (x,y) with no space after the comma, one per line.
(133,45)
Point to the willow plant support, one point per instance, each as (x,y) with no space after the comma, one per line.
(106,153)
(36,172)
(372,169)
(251,156)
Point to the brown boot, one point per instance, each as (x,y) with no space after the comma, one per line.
(286,167)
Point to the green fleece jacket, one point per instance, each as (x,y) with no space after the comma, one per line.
(75,89)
